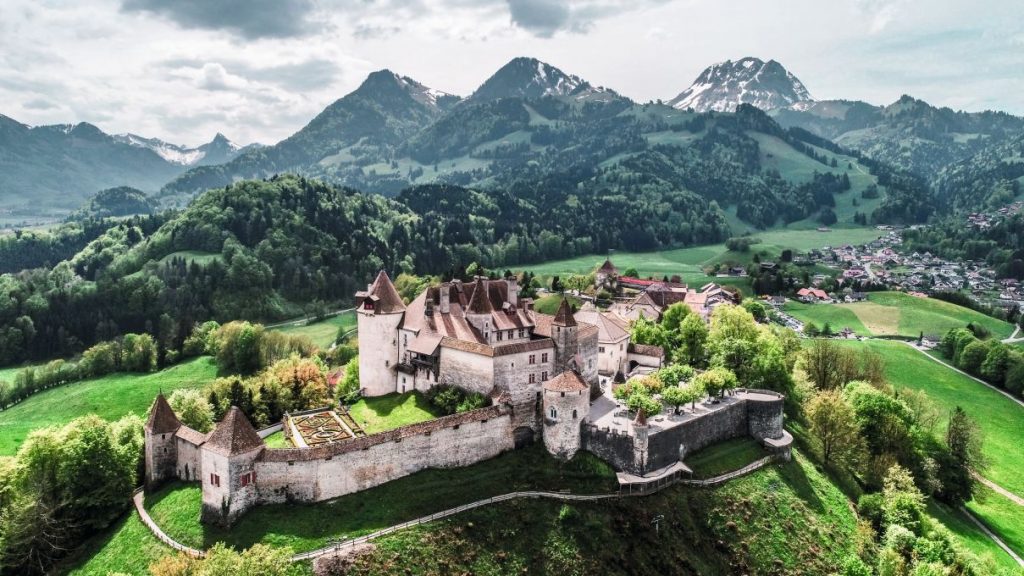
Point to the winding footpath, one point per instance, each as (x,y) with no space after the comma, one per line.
(655,486)
(999,541)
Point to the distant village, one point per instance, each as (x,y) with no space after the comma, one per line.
(881,264)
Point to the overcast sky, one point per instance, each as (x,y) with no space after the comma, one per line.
(258,70)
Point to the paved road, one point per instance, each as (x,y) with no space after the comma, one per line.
(300,321)
(978,380)
(996,487)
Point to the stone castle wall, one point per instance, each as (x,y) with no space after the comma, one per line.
(756,414)
(467,370)
(190,466)
(311,475)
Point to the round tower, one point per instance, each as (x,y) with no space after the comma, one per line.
(566,405)
(564,333)
(379,313)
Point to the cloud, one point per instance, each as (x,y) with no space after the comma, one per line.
(39,104)
(249,19)
(540,17)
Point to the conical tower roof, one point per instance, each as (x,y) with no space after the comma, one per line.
(233,435)
(608,266)
(564,315)
(387,298)
(161,418)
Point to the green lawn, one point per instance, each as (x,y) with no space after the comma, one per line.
(725,457)
(126,547)
(837,317)
(690,262)
(896,314)
(110,397)
(176,507)
(324,332)
(278,440)
(190,256)
(1001,515)
(392,411)
(549,304)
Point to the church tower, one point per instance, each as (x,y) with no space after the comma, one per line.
(564,333)
(379,313)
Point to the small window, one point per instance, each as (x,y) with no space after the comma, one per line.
(368,305)
(501,336)
(510,335)
(554,413)
(533,378)
(387,363)
(522,333)
(600,349)
(573,414)
(215,480)
(533,358)
(562,394)
(544,376)
(544,357)
(248,478)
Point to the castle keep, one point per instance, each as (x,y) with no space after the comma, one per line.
(548,377)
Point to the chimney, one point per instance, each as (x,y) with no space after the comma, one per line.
(429,311)
(513,291)
(445,299)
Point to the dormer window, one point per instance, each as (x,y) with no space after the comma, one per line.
(368,305)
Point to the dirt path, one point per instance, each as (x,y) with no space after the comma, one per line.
(997,488)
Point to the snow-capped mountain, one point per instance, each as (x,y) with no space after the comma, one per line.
(723,86)
(530,78)
(430,97)
(216,151)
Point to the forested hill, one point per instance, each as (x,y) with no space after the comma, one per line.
(538,127)
(939,144)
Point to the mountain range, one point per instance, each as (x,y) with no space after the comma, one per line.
(53,169)
(745,135)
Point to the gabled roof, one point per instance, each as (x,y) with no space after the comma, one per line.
(233,435)
(385,296)
(568,381)
(609,330)
(161,418)
(608,267)
(564,315)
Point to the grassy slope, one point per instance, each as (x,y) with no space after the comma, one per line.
(110,397)
(1000,420)
(969,535)
(783,519)
(1002,516)
(127,547)
(305,527)
(324,332)
(838,317)
(725,457)
(895,313)
(690,262)
(391,411)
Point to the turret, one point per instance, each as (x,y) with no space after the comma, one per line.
(161,446)
(479,309)
(564,333)
(379,311)
(229,469)
(640,441)
(566,406)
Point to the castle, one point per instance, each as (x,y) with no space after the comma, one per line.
(549,379)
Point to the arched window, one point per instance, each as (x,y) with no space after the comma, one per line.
(573,414)
(554,413)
